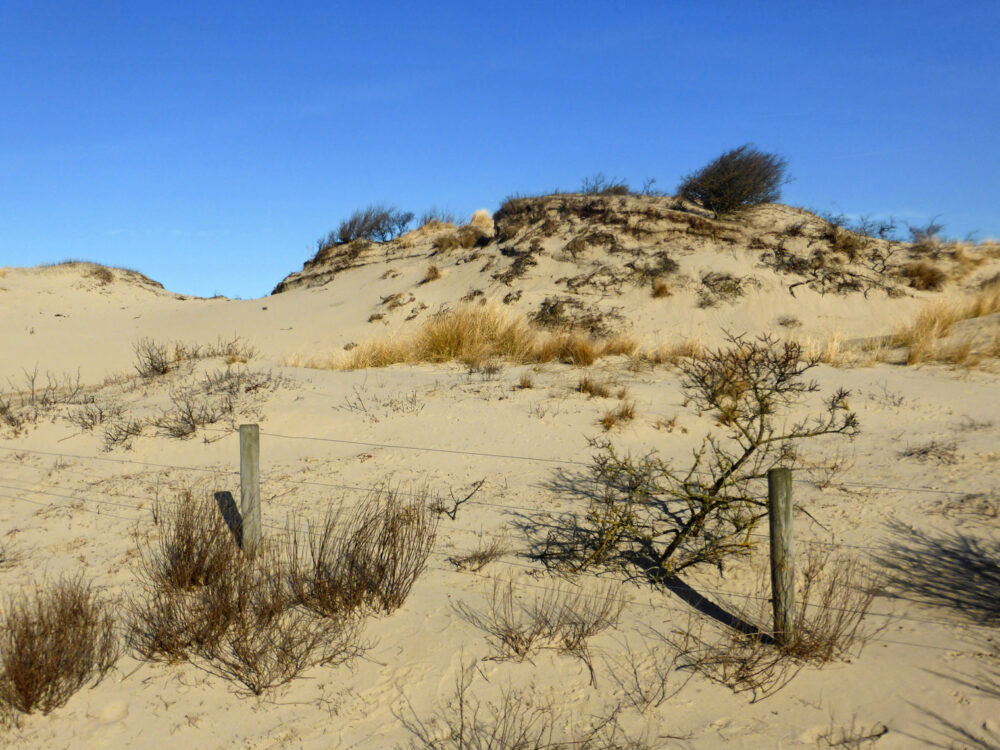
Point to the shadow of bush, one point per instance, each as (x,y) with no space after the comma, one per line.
(946,569)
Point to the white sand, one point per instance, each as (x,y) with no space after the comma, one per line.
(68,506)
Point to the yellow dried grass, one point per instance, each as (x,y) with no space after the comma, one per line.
(473,334)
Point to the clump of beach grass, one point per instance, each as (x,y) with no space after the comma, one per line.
(473,334)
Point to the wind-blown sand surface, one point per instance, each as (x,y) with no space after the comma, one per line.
(72,503)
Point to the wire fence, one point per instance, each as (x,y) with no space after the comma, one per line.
(143,512)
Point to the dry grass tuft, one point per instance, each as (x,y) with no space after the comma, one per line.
(624,412)
(935,321)
(433,274)
(593,387)
(473,334)
(53,643)
(660,289)
(924,275)
(526,381)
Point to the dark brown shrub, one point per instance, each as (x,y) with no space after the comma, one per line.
(53,643)
(741,177)
(377,223)
(924,275)
(370,561)
(445,242)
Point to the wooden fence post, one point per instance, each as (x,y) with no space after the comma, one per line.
(779,498)
(250,487)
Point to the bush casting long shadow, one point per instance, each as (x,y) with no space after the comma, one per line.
(648,515)
(946,569)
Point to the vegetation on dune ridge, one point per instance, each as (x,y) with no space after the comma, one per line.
(473,335)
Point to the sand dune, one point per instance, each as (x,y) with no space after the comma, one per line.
(97,449)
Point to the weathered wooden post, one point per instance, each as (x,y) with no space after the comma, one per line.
(779,498)
(250,487)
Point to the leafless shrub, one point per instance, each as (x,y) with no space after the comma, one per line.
(151,358)
(945,454)
(370,560)
(489,550)
(741,177)
(515,722)
(719,287)
(926,239)
(642,677)
(30,400)
(188,413)
(593,387)
(437,216)
(563,617)
(377,223)
(260,639)
(88,416)
(598,184)
(239,381)
(119,431)
(192,545)
(833,597)
(650,516)
(54,642)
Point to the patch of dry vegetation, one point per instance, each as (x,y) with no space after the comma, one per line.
(834,595)
(474,334)
(517,721)
(563,617)
(922,335)
(52,643)
(260,620)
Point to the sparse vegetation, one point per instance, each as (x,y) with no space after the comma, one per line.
(834,595)
(52,643)
(202,599)
(592,387)
(433,274)
(562,617)
(369,561)
(489,549)
(624,412)
(648,515)
(741,177)
(517,721)
(935,321)
(376,223)
(474,334)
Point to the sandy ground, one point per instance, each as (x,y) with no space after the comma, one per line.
(930,676)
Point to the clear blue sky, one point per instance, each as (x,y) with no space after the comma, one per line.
(208,144)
